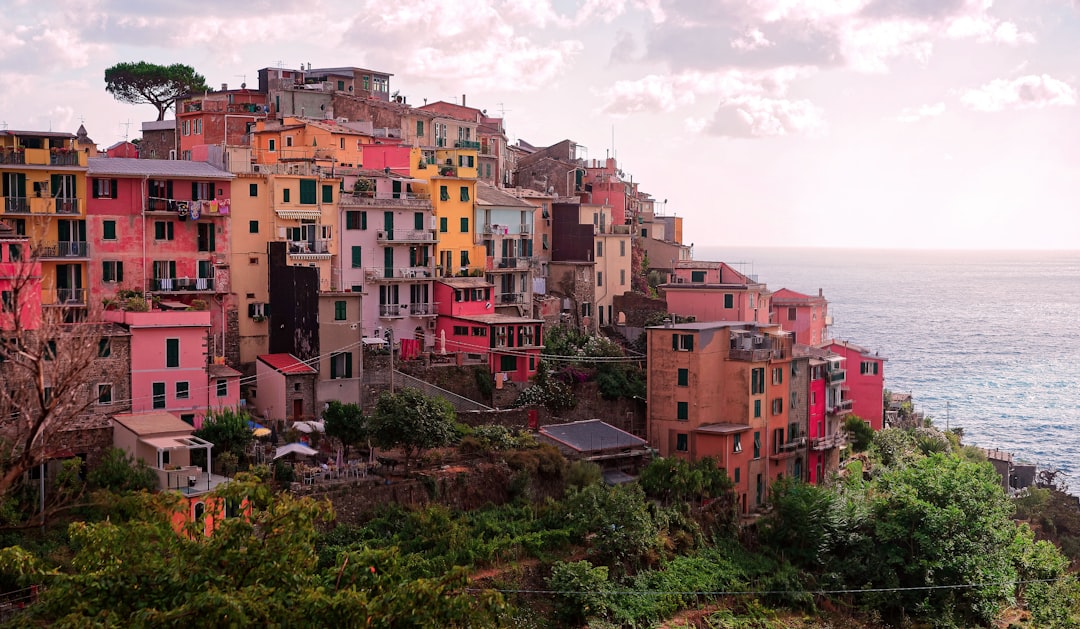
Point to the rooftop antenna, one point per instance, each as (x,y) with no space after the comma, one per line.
(280,64)
(243,80)
(3,125)
(503,110)
(127,127)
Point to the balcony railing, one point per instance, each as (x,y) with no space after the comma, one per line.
(751,355)
(389,199)
(16,205)
(66,206)
(843,408)
(69,297)
(62,250)
(837,440)
(397,274)
(466,144)
(8,156)
(836,375)
(300,248)
(510,298)
(509,264)
(496,229)
(64,159)
(422,310)
(181,284)
(405,235)
(440,141)
(40,205)
(393,311)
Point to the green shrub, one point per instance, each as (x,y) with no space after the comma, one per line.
(583,473)
(119,472)
(582,591)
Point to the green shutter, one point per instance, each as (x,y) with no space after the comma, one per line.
(327,194)
(307,192)
(285,195)
(119,271)
(159,395)
(443,225)
(357,259)
(689,342)
(348,364)
(108,229)
(106,271)
(172,352)
(418,220)
(684,377)
(675,342)
(363,220)
(333,366)
(464,224)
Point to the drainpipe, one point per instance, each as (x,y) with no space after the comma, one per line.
(145,187)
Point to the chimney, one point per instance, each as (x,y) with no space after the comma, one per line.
(820,293)
(224,86)
(462,100)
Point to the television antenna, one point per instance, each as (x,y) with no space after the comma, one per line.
(127,128)
(243,80)
(503,109)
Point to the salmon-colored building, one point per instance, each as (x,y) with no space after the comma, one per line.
(714,291)
(469,324)
(170,368)
(20,282)
(712,390)
(864,381)
(807,316)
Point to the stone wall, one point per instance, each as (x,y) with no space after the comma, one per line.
(638,308)
(157,144)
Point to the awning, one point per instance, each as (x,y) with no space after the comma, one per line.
(294,448)
(175,443)
(374,340)
(309,427)
(299,214)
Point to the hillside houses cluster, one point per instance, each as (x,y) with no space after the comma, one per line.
(279,234)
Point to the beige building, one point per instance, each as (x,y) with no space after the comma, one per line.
(340,365)
(611,256)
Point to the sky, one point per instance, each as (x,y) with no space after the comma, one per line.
(945,124)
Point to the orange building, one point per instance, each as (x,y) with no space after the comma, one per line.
(721,390)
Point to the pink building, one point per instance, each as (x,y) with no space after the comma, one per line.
(807,316)
(603,183)
(468,322)
(714,291)
(20,282)
(864,381)
(170,368)
(161,227)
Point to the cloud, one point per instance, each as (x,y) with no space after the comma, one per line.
(752,39)
(757,117)
(920,113)
(666,93)
(1026,92)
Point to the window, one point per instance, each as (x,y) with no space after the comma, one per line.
(253,227)
(222,387)
(682,342)
(198,126)
(683,410)
(104,394)
(461,330)
(682,442)
(159,394)
(729,300)
(736,479)
(868,368)
(757,381)
(419,128)
(465,225)
(737,443)
(464,193)
(288,140)
(284,195)
(253,189)
(464,258)
(163,230)
(112,271)
(341,365)
(792,314)
(599,278)
(185,127)
(622,277)
(207,237)
(50,350)
(698,277)
(104,349)
(507,363)
(181,390)
(172,352)
(327,194)
(599,248)
(339,310)
(104,189)
(352,220)
(777,406)
(684,378)
(757,445)
(271,145)
(757,408)
(7,301)
(622,248)
(778,375)
(444,193)
(443,228)
(357,258)
(307,192)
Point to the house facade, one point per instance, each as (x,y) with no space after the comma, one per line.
(804,315)
(714,291)
(864,381)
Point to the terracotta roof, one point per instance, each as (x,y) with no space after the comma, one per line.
(286,364)
(152,423)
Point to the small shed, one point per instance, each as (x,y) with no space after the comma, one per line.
(284,388)
(619,454)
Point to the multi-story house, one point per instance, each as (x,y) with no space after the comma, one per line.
(162,227)
(340,361)
(824,423)
(711,393)
(20,281)
(171,366)
(864,381)
(714,291)
(453,199)
(613,252)
(220,119)
(490,138)
(504,225)
(661,238)
(388,253)
(468,323)
(43,182)
(805,315)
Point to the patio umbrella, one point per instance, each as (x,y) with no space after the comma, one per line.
(295,448)
(258,430)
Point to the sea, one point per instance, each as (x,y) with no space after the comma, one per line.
(986,341)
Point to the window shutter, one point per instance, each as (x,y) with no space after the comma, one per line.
(689,342)
(172,352)
(675,342)
(119,271)
(97,188)
(418,220)
(348,364)
(194,191)
(357,257)
(333,366)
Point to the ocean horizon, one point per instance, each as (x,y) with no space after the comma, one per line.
(983,340)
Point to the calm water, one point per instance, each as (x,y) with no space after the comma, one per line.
(987,340)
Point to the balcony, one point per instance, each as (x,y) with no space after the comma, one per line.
(495,229)
(61,250)
(12,157)
(496,265)
(393,311)
(836,375)
(310,249)
(399,274)
(422,310)
(388,199)
(42,157)
(843,408)
(751,355)
(40,205)
(466,144)
(405,235)
(16,205)
(66,206)
(440,142)
(180,285)
(510,298)
(64,158)
(65,297)
(837,440)
(164,205)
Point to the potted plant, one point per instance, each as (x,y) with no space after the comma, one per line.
(199,304)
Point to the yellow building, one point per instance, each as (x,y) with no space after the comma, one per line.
(295,140)
(451,182)
(43,176)
(611,256)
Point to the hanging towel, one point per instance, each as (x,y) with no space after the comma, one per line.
(196,210)
(223,206)
(214,207)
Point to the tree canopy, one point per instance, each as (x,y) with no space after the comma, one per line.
(412,421)
(141,82)
(345,422)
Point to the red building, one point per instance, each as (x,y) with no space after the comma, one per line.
(804,315)
(824,423)
(20,281)
(468,323)
(161,227)
(714,291)
(864,381)
(217,118)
